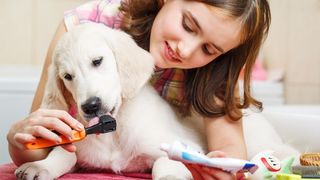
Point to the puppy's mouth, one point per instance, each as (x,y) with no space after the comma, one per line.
(93,119)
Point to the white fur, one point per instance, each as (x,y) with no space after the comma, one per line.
(144,119)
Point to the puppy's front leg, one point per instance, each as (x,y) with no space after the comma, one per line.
(56,164)
(166,169)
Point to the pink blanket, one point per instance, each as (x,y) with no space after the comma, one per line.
(7,170)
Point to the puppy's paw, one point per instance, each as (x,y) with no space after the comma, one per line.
(166,169)
(34,171)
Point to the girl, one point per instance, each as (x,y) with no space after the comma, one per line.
(200,47)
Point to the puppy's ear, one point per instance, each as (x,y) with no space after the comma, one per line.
(135,65)
(53,94)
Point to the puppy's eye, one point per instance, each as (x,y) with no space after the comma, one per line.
(97,61)
(68,77)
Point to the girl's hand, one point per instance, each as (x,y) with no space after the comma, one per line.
(200,172)
(40,124)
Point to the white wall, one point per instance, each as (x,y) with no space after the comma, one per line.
(293,44)
(17,86)
(27,26)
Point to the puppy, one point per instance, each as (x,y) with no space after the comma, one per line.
(102,71)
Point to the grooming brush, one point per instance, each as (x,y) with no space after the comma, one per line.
(307,171)
(106,124)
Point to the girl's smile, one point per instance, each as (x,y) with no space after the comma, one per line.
(169,54)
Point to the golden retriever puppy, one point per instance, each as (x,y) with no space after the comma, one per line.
(102,71)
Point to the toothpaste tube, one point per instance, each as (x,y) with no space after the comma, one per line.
(181,152)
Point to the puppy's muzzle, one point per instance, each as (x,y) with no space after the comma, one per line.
(91,106)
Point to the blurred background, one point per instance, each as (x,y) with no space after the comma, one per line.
(286,73)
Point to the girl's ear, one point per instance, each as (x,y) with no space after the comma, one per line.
(135,65)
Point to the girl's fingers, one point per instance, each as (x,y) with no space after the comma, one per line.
(40,131)
(23,138)
(57,120)
(218,173)
(240,176)
(216,154)
(195,174)
(69,147)
(57,125)
(204,175)
(63,116)
(40,123)
(200,172)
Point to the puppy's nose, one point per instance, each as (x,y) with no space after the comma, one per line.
(91,106)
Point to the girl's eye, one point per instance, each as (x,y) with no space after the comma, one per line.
(207,50)
(68,77)
(186,24)
(97,61)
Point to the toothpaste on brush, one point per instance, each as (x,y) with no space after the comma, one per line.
(181,152)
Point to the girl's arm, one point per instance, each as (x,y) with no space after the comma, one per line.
(41,86)
(22,131)
(225,135)
(224,138)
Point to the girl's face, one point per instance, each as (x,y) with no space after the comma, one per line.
(190,34)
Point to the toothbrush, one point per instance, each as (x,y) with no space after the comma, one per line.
(181,152)
(106,124)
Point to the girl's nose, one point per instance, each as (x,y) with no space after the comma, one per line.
(185,49)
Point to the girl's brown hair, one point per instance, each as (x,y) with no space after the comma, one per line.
(212,89)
